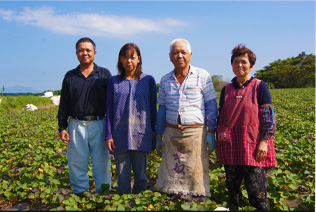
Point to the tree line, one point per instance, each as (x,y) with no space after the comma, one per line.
(294,72)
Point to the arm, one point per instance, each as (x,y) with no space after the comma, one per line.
(63,112)
(153,102)
(221,104)
(161,120)
(210,97)
(211,115)
(267,119)
(109,117)
(210,112)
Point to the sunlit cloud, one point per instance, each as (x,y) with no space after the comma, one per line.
(89,23)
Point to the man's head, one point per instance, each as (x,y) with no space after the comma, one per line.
(180,53)
(85,51)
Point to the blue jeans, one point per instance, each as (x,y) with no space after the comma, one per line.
(87,138)
(125,161)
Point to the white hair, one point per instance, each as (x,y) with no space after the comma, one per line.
(182,41)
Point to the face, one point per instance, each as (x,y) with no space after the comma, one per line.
(85,53)
(130,61)
(241,66)
(180,55)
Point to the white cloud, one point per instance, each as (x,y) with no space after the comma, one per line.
(89,23)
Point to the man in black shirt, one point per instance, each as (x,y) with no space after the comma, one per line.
(83,99)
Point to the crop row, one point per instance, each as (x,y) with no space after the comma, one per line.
(33,165)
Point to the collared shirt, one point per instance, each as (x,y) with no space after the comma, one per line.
(131,113)
(83,96)
(194,100)
(263,93)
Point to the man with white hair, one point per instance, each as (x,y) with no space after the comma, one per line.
(187,119)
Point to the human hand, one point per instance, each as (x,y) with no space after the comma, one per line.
(110,144)
(210,139)
(64,136)
(159,144)
(262,150)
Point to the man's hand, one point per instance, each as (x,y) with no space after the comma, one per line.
(64,136)
(110,144)
(210,139)
(262,150)
(159,144)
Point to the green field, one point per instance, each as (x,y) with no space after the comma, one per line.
(33,165)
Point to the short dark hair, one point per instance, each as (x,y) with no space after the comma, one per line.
(242,50)
(133,47)
(85,39)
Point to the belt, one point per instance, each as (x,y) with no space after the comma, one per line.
(179,126)
(89,118)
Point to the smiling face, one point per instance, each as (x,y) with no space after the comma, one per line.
(241,66)
(180,55)
(85,53)
(130,61)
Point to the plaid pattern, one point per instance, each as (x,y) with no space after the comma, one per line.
(239,129)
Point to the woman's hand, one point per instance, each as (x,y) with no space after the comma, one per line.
(262,150)
(110,144)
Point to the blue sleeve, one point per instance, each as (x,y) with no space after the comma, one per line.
(161,121)
(211,114)
(153,102)
(263,94)
(109,110)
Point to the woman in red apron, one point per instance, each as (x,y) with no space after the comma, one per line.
(246,125)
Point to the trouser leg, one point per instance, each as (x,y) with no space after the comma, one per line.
(78,156)
(100,156)
(123,171)
(256,184)
(139,165)
(234,179)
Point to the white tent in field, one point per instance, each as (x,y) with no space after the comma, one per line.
(30,107)
(48,94)
(55,100)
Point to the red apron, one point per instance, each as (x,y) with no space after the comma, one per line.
(239,129)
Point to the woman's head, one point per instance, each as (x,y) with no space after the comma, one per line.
(129,59)
(242,50)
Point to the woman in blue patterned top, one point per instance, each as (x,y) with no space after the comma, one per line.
(130,119)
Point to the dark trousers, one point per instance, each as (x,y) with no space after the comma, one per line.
(255,179)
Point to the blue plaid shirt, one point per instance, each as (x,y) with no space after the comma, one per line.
(194,100)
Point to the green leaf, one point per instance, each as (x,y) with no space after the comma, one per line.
(185,206)
(121,207)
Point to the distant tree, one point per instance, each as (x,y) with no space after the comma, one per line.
(295,72)
(2,89)
(218,82)
(57,92)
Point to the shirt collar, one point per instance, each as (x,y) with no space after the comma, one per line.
(236,84)
(192,71)
(95,69)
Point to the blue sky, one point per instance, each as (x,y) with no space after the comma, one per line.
(38,37)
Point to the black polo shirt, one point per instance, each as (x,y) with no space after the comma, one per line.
(83,96)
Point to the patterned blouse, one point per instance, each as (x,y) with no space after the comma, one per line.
(131,113)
